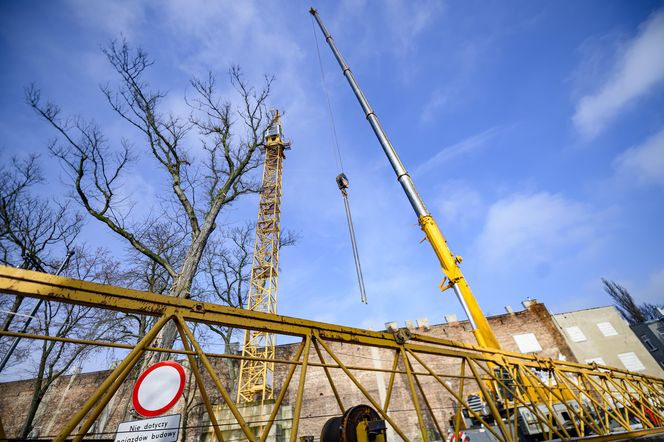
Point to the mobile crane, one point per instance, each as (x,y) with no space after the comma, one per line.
(449,262)
(559,407)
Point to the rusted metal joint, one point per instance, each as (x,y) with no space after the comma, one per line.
(402,335)
(550,364)
(198,307)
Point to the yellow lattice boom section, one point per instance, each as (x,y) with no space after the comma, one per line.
(255,377)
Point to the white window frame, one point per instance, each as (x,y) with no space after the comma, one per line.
(527,343)
(607,329)
(575,334)
(631,361)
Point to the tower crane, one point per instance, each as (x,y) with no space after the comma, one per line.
(256,373)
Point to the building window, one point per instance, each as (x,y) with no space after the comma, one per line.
(575,334)
(607,329)
(647,343)
(527,343)
(631,361)
(598,360)
(660,330)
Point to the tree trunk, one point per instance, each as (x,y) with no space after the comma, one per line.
(231,364)
(37,396)
(182,287)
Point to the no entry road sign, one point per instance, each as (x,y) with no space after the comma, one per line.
(158,388)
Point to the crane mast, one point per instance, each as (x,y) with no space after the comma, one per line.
(449,262)
(256,373)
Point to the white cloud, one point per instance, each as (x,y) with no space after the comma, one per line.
(115,17)
(535,230)
(436,101)
(402,22)
(136,194)
(644,163)
(638,70)
(406,20)
(226,33)
(230,32)
(469,145)
(458,203)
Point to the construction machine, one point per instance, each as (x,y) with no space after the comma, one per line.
(539,413)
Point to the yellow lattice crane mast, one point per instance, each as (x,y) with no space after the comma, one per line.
(255,377)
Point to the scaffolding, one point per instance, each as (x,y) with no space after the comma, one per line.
(600,402)
(257,371)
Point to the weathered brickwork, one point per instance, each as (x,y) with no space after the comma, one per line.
(319,403)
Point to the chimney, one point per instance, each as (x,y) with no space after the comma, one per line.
(423,323)
(528,302)
(409,324)
(451,318)
(391,326)
(509,309)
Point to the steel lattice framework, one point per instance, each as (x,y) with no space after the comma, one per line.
(255,377)
(605,403)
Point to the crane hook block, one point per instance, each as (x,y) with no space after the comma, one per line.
(342,181)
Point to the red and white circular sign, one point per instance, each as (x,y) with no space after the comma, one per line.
(158,388)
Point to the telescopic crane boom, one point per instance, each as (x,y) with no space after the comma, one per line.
(449,262)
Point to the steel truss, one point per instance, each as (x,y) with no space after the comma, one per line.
(603,403)
(256,375)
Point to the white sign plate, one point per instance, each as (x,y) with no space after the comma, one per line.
(159,429)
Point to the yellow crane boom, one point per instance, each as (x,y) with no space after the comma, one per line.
(449,262)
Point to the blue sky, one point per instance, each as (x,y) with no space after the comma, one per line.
(534,132)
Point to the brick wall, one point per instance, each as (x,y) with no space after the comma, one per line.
(319,404)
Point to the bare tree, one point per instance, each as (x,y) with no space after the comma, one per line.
(199,188)
(226,270)
(628,308)
(226,273)
(54,358)
(651,311)
(35,233)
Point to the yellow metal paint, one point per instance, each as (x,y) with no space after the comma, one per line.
(450,265)
(630,399)
(255,377)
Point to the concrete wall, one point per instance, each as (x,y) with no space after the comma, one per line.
(586,333)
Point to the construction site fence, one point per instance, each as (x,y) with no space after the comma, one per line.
(436,377)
